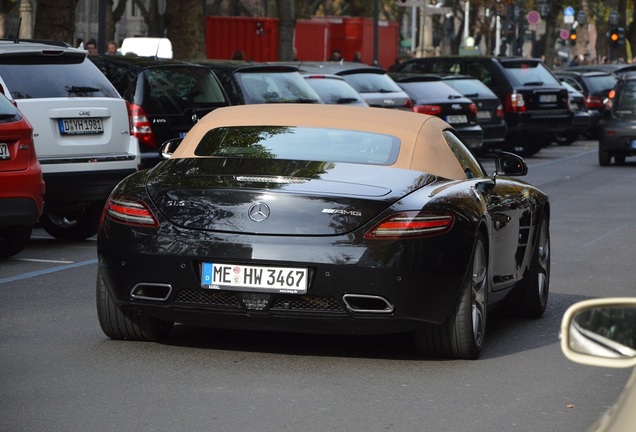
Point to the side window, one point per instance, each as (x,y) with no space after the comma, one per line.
(480,72)
(470,165)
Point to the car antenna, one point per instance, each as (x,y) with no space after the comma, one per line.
(157,52)
(17,35)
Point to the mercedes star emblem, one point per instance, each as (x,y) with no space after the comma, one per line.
(258,212)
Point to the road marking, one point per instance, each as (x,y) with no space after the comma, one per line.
(43,260)
(46,271)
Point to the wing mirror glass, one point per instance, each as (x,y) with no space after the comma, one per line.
(169,147)
(510,164)
(601,332)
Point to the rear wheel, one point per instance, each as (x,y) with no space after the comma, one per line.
(119,324)
(566,139)
(76,225)
(463,334)
(13,240)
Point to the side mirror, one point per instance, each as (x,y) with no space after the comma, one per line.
(169,147)
(600,332)
(510,164)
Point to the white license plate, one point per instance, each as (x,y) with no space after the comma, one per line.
(4,152)
(236,277)
(456,119)
(574,106)
(483,115)
(81,126)
(547,98)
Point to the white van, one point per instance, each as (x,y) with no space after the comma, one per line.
(147,47)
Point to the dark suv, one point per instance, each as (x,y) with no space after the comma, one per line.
(617,129)
(536,105)
(167,97)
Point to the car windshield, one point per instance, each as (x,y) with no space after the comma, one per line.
(275,87)
(56,79)
(171,90)
(300,143)
(372,83)
(531,73)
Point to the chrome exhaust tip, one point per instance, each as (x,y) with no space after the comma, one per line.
(362,303)
(151,291)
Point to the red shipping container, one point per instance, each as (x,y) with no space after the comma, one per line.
(256,37)
(312,40)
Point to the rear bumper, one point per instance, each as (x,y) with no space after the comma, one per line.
(538,123)
(19,212)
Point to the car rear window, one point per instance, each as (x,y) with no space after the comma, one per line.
(470,87)
(430,90)
(275,87)
(599,84)
(300,143)
(372,83)
(626,98)
(530,73)
(333,90)
(54,78)
(171,90)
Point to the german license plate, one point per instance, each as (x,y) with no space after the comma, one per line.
(550,98)
(236,277)
(483,115)
(81,126)
(4,152)
(456,119)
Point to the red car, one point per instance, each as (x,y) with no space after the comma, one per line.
(22,186)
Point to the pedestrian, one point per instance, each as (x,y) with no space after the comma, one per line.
(335,55)
(112,48)
(357,57)
(238,55)
(91,47)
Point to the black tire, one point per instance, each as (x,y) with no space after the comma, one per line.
(604,158)
(129,325)
(531,295)
(13,240)
(567,139)
(462,335)
(77,225)
(619,159)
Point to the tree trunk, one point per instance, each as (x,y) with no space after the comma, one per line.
(55,19)
(287,23)
(185,25)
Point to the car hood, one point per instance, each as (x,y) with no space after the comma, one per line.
(283,197)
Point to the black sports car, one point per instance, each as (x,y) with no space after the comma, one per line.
(323,219)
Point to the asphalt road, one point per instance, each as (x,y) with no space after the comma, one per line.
(58,372)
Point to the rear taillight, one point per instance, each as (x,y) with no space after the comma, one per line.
(411,224)
(408,103)
(500,112)
(594,102)
(141,126)
(515,103)
(428,109)
(473,108)
(130,211)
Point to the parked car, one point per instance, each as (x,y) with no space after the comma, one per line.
(22,190)
(372,83)
(254,83)
(166,97)
(430,95)
(595,86)
(328,219)
(613,68)
(617,129)
(534,101)
(582,118)
(80,126)
(490,114)
(602,332)
(334,89)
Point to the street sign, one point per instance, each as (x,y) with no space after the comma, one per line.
(409,3)
(568,11)
(533,17)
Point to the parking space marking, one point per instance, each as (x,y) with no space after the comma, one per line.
(43,260)
(47,271)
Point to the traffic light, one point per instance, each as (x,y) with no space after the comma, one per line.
(613,36)
(572,37)
(621,35)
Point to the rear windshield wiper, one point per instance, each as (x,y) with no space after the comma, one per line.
(346,100)
(471,95)
(533,83)
(455,96)
(82,89)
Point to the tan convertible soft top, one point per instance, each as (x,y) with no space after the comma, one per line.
(422,146)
